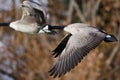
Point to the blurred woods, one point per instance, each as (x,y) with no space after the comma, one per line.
(28,57)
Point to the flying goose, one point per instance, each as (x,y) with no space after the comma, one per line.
(82,38)
(33,20)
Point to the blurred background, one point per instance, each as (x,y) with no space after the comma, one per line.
(28,57)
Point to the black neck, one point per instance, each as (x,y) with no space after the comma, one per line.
(4,24)
(56,27)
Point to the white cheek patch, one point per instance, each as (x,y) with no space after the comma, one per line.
(46,27)
(41,32)
(108,36)
(44,31)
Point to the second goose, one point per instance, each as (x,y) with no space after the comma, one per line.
(33,20)
(82,38)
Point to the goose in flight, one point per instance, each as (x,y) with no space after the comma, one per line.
(79,41)
(33,20)
(82,38)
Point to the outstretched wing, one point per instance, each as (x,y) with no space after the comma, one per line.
(58,50)
(77,47)
(36,10)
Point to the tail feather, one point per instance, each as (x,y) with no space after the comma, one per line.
(110,38)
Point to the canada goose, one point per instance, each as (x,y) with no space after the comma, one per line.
(33,18)
(82,38)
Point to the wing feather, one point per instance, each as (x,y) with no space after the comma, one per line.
(36,10)
(76,48)
(58,50)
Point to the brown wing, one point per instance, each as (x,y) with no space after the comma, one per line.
(40,17)
(77,47)
(40,12)
(37,10)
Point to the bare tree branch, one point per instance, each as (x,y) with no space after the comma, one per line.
(70,11)
(115,50)
(79,13)
(73,5)
(94,11)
